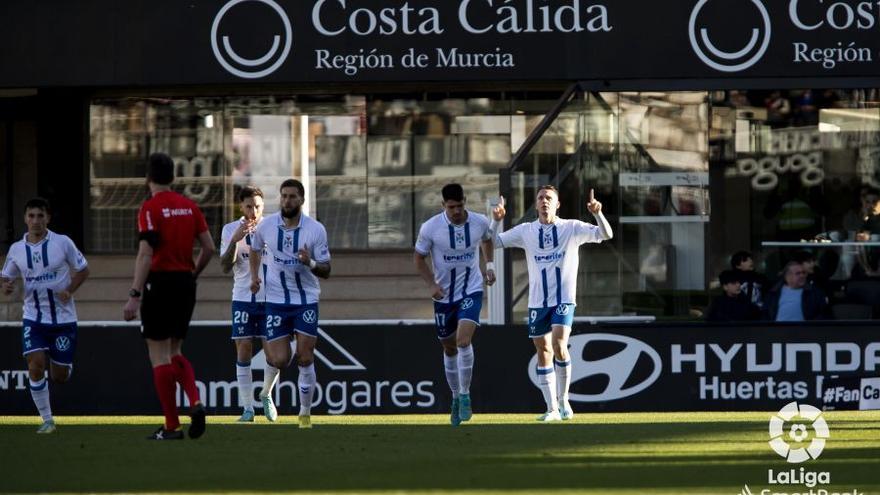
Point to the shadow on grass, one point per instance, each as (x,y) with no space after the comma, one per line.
(280,457)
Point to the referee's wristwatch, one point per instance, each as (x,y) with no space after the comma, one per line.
(134,293)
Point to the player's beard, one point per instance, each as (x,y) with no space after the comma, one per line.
(290,212)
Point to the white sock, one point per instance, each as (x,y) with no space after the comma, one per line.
(563,379)
(465,368)
(270,377)
(547,381)
(306,385)
(40,394)
(245,380)
(450,364)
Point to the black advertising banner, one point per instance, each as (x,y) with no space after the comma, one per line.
(399,369)
(162,42)
(851,393)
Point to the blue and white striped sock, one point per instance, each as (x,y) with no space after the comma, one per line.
(563,378)
(245,381)
(547,382)
(40,394)
(465,368)
(306,384)
(450,365)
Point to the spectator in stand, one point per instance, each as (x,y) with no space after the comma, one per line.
(793,299)
(869,257)
(817,274)
(753,284)
(732,305)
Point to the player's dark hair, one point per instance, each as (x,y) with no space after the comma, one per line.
(249,192)
(294,183)
(738,257)
(728,277)
(160,169)
(452,192)
(40,203)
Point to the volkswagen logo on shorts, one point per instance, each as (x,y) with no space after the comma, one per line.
(271,59)
(618,368)
(798,433)
(309,316)
(62,343)
(562,309)
(746,55)
(466,303)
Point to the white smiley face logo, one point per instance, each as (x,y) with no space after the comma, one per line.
(725,61)
(253,68)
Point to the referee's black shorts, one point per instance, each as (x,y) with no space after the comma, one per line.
(167,305)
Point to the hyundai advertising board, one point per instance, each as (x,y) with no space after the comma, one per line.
(398,369)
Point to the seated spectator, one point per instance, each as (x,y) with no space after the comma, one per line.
(869,258)
(794,300)
(753,283)
(816,276)
(732,305)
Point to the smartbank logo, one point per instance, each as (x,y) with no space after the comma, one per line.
(798,433)
(357,394)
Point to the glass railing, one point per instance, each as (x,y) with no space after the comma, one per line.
(645,156)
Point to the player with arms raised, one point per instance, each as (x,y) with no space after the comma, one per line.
(551,245)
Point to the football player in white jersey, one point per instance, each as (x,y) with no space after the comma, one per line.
(296,255)
(248,309)
(52,269)
(551,245)
(453,239)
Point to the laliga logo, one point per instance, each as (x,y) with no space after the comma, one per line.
(798,432)
(729,61)
(618,367)
(256,67)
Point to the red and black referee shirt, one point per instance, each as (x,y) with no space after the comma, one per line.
(170,222)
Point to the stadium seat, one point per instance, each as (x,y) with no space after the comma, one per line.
(847,311)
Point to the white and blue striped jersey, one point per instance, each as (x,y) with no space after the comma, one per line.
(552,257)
(287,280)
(241,275)
(45,268)
(455,252)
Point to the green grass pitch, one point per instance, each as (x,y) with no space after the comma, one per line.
(627,453)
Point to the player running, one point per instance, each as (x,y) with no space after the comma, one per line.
(453,238)
(551,245)
(52,269)
(296,255)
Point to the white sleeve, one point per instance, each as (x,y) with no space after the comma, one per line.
(10,269)
(321,251)
(487,229)
(424,243)
(74,257)
(586,232)
(513,237)
(225,236)
(257,241)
